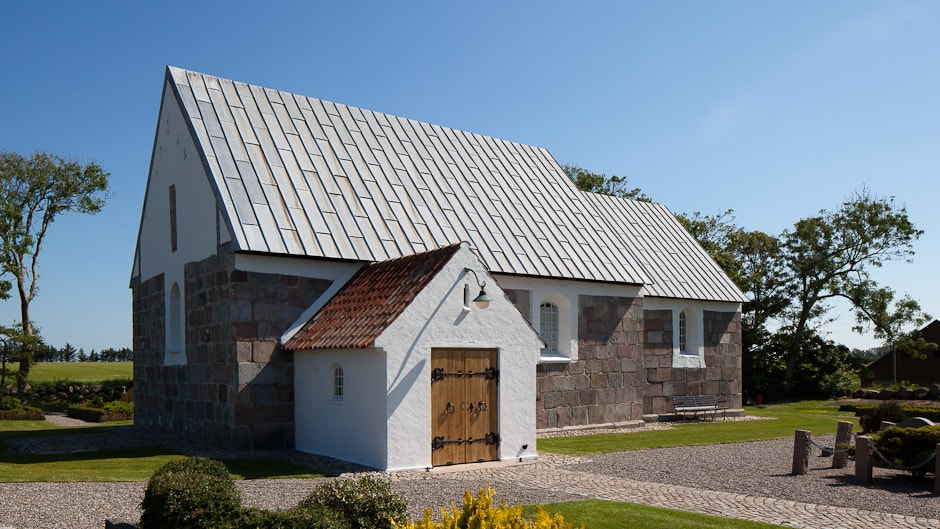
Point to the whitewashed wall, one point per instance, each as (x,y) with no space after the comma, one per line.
(353,429)
(437,318)
(176,162)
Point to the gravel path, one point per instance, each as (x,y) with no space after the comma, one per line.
(763,469)
(757,469)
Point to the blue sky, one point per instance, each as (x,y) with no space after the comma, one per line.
(773,109)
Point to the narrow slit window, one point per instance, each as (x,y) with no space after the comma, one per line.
(173,218)
(683,333)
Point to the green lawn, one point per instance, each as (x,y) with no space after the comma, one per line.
(81,372)
(600,514)
(819,417)
(113,465)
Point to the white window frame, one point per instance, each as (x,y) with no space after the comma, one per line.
(567,340)
(690,354)
(549,316)
(338,383)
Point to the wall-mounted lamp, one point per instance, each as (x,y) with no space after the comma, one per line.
(482,300)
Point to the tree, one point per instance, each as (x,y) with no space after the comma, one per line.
(82,357)
(830,255)
(602,184)
(873,307)
(68,352)
(34,191)
(12,341)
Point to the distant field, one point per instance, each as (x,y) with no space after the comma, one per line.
(80,371)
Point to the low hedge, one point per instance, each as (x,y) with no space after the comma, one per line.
(26,413)
(11,409)
(871,415)
(111,411)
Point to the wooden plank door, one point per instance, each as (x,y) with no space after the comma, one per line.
(464,406)
(482,405)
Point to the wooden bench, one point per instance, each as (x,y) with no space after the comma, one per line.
(695,404)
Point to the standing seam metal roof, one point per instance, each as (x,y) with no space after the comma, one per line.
(301,176)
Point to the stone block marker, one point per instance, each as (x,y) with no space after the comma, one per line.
(863,459)
(936,473)
(801,448)
(843,436)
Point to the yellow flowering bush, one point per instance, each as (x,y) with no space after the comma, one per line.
(479,513)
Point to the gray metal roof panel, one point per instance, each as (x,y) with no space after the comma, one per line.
(678,266)
(302,176)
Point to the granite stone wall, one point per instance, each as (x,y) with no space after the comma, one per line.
(721,375)
(236,389)
(605,384)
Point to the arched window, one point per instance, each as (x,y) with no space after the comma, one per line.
(174,338)
(683,333)
(337,383)
(548,326)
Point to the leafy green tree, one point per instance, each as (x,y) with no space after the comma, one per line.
(830,255)
(602,184)
(12,342)
(82,357)
(877,309)
(34,191)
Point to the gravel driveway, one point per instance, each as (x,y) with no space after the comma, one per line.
(756,468)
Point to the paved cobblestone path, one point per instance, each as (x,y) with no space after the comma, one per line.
(549,475)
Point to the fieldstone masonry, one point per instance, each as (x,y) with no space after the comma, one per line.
(236,389)
(722,373)
(624,369)
(604,385)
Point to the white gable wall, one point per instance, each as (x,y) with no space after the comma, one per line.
(176,162)
(436,318)
(352,428)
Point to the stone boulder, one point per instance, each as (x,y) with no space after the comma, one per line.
(887,394)
(915,422)
(905,393)
(921,393)
(934,391)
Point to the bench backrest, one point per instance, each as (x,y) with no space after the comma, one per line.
(695,400)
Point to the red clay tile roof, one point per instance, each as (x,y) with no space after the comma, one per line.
(375,296)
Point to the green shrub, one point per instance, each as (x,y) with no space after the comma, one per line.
(870,415)
(310,518)
(191,493)
(906,447)
(109,411)
(117,406)
(26,413)
(365,503)
(10,403)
